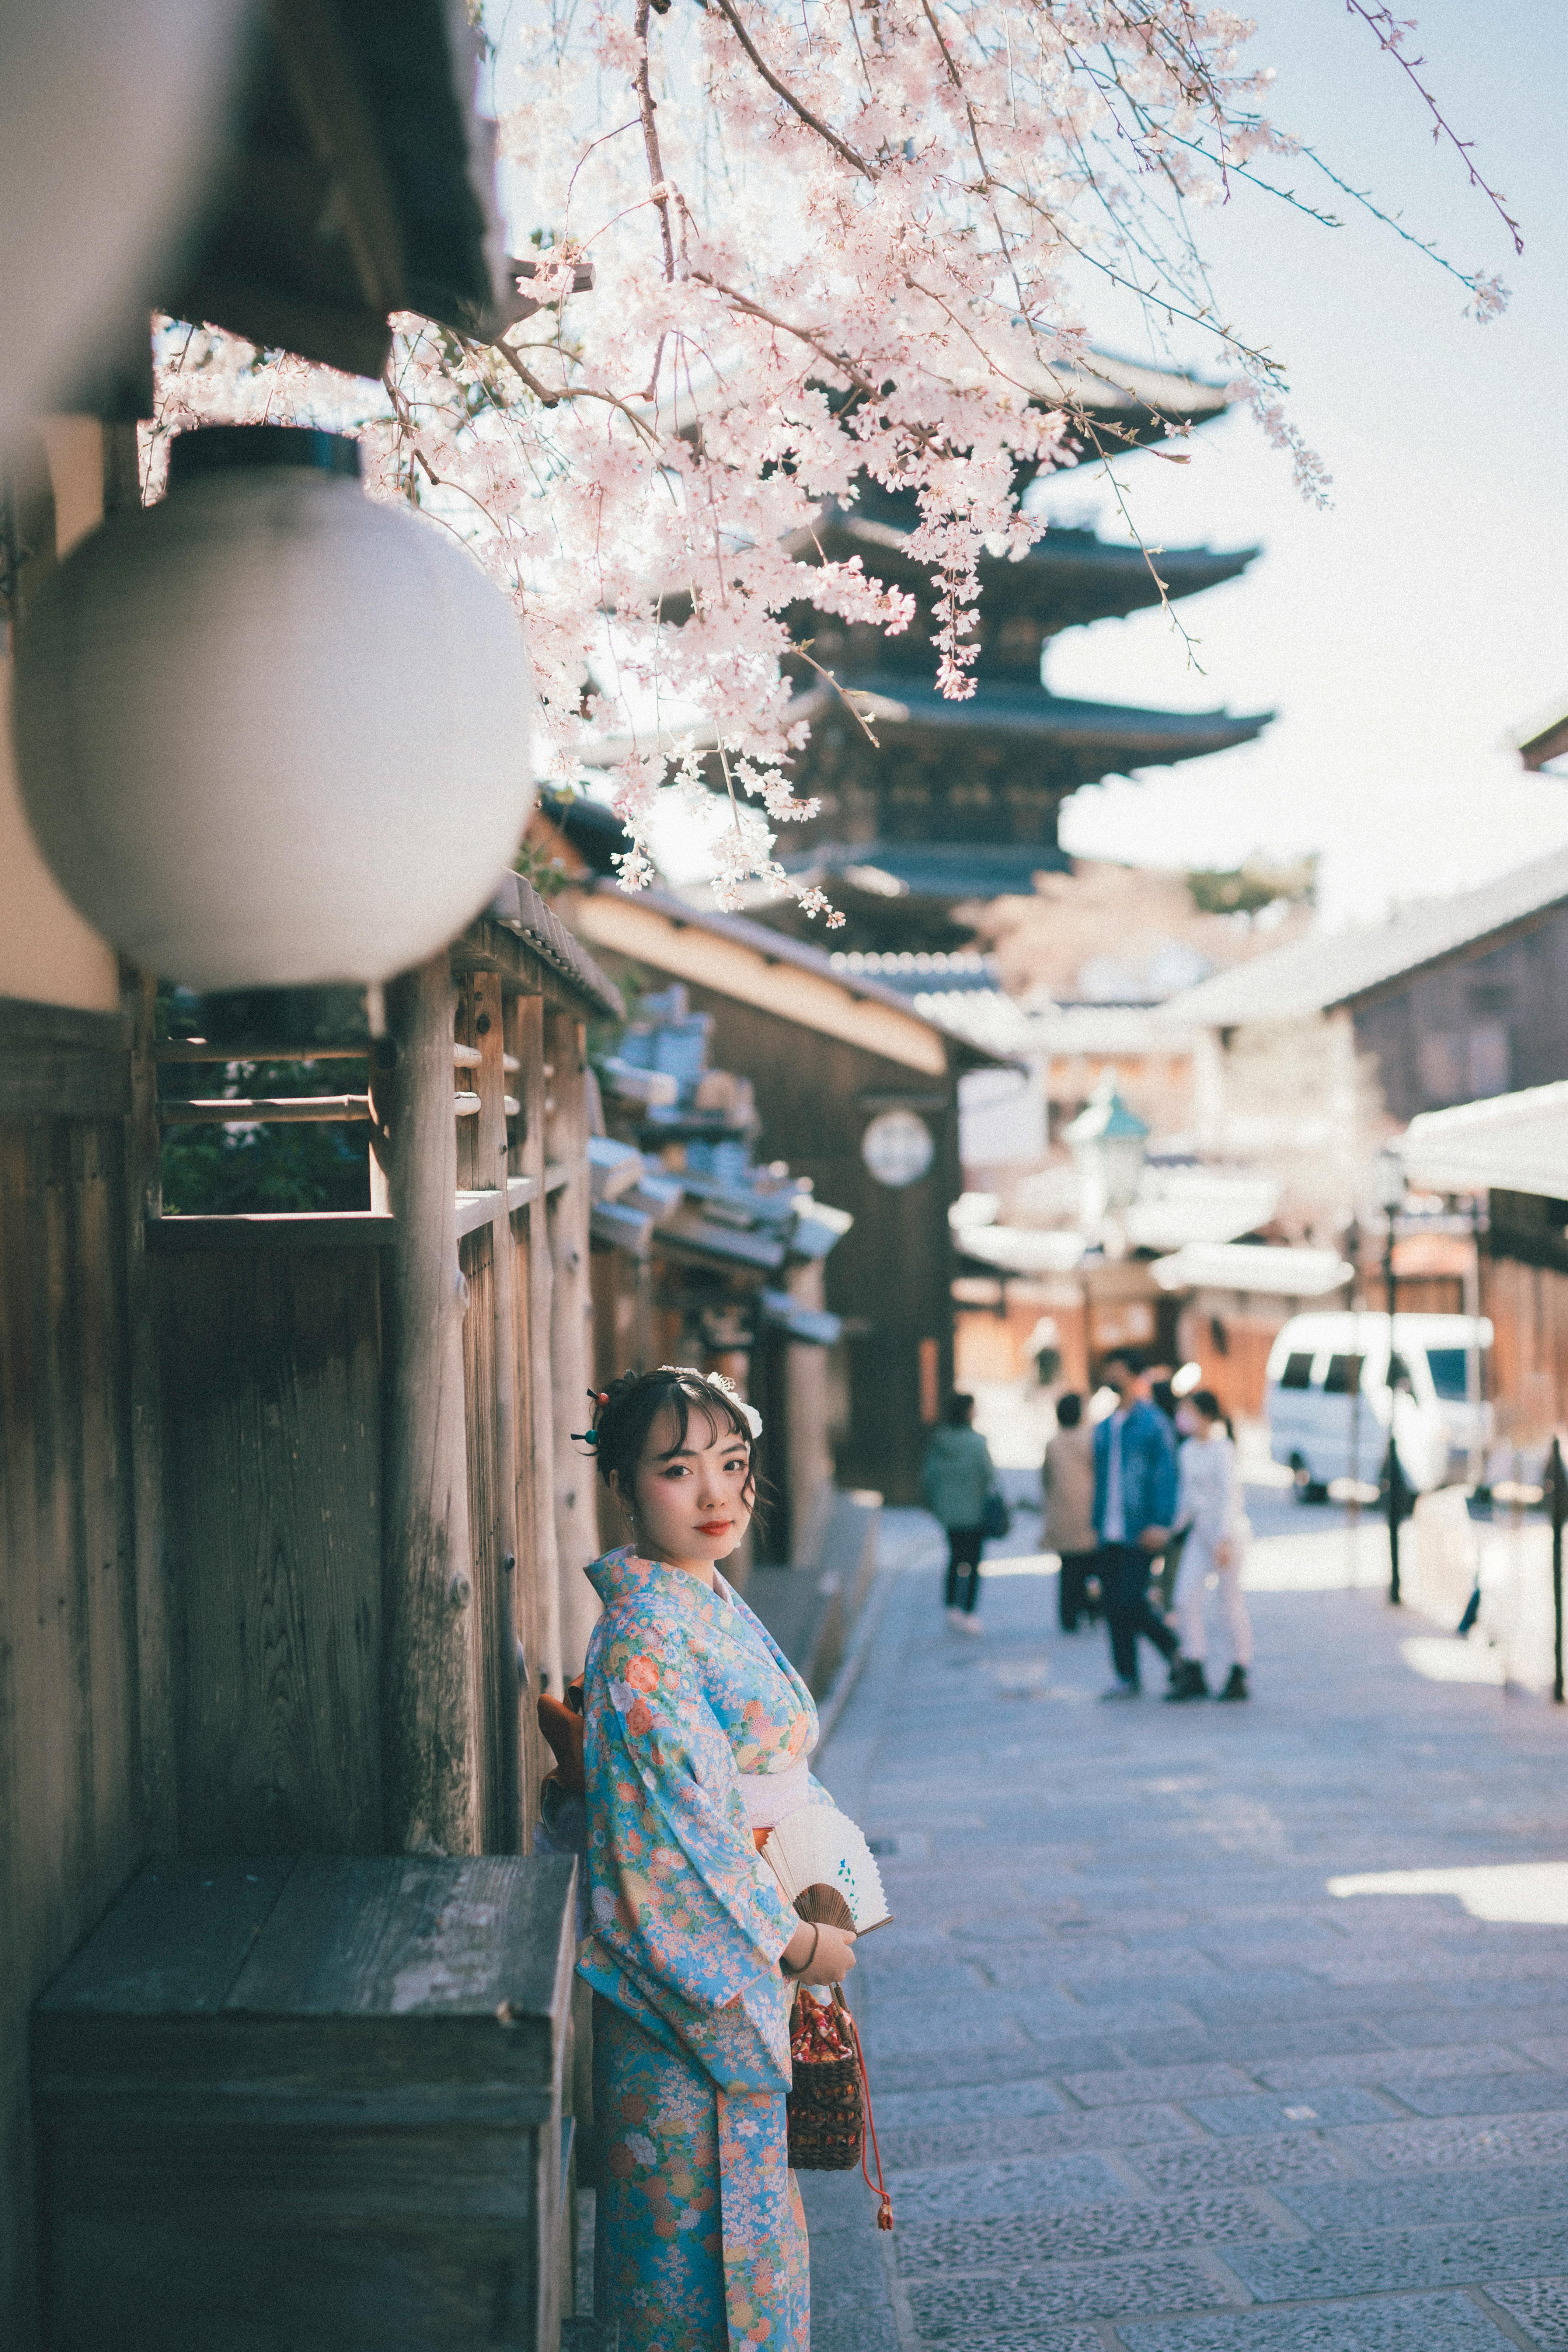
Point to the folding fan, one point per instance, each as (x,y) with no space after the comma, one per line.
(825,1869)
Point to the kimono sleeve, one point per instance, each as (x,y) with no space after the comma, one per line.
(677,1885)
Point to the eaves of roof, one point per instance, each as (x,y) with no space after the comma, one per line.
(757,966)
(518,907)
(1135,734)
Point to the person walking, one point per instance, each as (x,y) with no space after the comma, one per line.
(1209,1507)
(955,1480)
(1134,1507)
(1067,1480)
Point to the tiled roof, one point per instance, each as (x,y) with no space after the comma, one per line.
(1330,968)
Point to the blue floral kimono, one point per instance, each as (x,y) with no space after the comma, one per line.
(699,2236)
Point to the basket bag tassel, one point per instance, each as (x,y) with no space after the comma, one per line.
(829,2108)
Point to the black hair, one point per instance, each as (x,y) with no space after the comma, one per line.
(960,1410)
(1136,1362)
(1205,1400)
(1069,1409)
(624,1413)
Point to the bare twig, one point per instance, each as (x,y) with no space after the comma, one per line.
(1389,34)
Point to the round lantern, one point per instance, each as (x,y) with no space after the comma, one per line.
(111,112)
(269,732)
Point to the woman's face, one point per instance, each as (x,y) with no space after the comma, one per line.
(693,1494)
(1190,1421)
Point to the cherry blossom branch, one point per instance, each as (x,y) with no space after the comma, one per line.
(1389,34)
(650,138)
(797,106)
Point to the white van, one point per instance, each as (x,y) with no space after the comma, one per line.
(1328,1399)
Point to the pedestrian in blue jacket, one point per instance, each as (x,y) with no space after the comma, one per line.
(1135,1507)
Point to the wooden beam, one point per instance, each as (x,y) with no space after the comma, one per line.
(430,1699)
(263,1110)
(299,1229)
(571,1332)
(538,1448)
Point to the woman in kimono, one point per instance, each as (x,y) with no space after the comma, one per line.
(1209,1508)
(697,1735)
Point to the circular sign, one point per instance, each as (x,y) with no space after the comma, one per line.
(897,1147)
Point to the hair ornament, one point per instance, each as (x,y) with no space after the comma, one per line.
(727,1389)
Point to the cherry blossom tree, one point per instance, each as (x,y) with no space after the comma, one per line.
(826,240)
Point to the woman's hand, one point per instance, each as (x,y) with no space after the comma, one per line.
(1224,1553)
(830,1962)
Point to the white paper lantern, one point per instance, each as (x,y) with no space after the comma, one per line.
(111,112)
(269,732)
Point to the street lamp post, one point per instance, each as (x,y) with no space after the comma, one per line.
(1391,1192)
(1107,1142)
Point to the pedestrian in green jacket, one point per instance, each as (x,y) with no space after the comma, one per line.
(955,1479)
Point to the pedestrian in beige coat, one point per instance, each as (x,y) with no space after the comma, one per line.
(1066,1476)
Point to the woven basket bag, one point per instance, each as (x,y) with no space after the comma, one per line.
(826,2107)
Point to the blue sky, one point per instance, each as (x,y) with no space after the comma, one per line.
(1407,632)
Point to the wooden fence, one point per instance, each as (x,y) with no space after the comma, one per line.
(293,1530)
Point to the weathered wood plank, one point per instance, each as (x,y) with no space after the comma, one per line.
(536,1451)
(70,1812)
(430,1700)
(143,1203)
(497,1407)
(57,1063)
(571,1318)
(173,1944)
(271,1380)
(402,1936)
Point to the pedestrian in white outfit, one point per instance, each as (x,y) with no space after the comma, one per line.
(1209,1506)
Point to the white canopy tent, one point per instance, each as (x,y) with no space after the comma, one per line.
(1512,1143)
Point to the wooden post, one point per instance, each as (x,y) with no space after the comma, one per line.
(154,1647)
(538,1450)
(431,1714)
(499,1667)
(571,1322)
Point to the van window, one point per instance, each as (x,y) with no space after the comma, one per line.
(1399,1372)
(1344,1376)
(1449,1373)
(1298,1373)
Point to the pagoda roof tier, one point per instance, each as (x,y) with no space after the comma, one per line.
(1090,740)
(1065,580)
(946,870)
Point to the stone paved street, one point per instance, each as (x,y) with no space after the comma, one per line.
(1142,2079)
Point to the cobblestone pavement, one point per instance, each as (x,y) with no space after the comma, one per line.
(1142,2079)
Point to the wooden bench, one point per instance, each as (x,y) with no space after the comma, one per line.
(315,2103)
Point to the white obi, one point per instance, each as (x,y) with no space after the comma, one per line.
(771,1797)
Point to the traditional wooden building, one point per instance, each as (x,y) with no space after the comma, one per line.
(857,1093)
(291,1530)
(1450,1000)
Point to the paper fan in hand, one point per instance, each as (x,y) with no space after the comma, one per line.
(825,1869)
